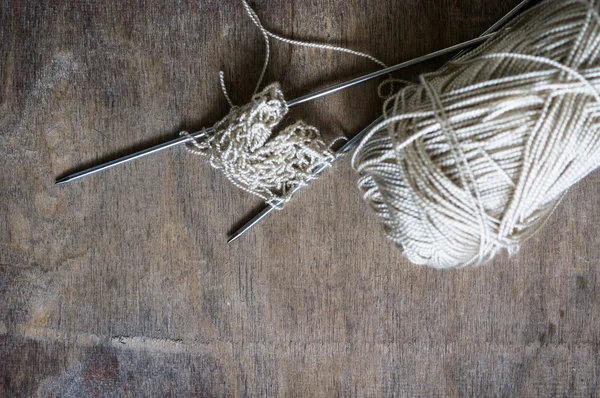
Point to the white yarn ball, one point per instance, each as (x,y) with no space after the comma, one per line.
(474,159)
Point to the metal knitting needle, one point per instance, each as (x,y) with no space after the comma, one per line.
(357,138)
(318,170)
(178,141)
(297,101)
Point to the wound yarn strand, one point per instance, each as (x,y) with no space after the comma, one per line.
(474,159)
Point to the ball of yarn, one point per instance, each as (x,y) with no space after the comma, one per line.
(472,161)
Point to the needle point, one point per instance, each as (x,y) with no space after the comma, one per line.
(233,238)
(61,181)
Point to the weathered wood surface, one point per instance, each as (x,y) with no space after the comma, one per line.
(122,284)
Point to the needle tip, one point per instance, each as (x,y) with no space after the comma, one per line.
(233,237)
(61,181)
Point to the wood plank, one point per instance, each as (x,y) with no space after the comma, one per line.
(123,284)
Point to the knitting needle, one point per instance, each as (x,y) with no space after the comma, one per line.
(297,101)
(318,170)
(357,138)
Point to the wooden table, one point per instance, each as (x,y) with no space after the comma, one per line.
(122,284)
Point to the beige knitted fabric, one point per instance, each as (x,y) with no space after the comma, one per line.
(243,146)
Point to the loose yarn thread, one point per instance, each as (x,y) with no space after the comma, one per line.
(244,146)
(473,160)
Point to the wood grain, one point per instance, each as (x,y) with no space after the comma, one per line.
(122,284)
